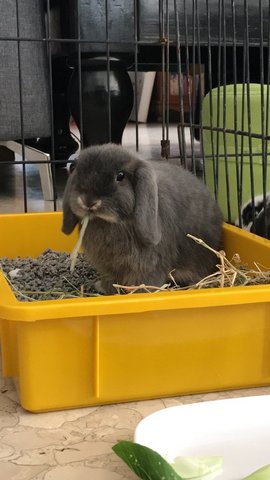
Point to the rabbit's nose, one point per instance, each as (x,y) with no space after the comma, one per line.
(82,203)
(88,206)
(94,205)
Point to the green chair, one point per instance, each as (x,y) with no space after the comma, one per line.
(230,158)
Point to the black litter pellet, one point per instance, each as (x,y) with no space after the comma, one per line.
(48,277)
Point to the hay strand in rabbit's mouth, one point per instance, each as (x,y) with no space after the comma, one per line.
(75,251)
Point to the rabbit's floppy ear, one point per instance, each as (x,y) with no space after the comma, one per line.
(69,219)
(146,205)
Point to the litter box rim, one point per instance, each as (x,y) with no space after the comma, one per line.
(15,310)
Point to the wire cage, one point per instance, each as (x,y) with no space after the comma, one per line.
(188,77)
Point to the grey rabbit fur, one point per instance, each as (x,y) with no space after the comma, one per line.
(140,214)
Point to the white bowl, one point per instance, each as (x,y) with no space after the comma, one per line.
(236,429)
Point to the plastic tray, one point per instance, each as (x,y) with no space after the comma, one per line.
(81,352)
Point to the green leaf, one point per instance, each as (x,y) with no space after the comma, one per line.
(145,462)
(198,467)
(261,474)
(149,465)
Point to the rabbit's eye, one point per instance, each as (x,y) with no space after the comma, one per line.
(120,176)
(72,166)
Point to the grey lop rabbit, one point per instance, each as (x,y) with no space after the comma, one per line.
(140,214)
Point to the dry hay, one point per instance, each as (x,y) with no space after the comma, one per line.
(229,273)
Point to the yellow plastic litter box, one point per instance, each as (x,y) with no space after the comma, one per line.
(81,352)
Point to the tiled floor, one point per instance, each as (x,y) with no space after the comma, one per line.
(74,444)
